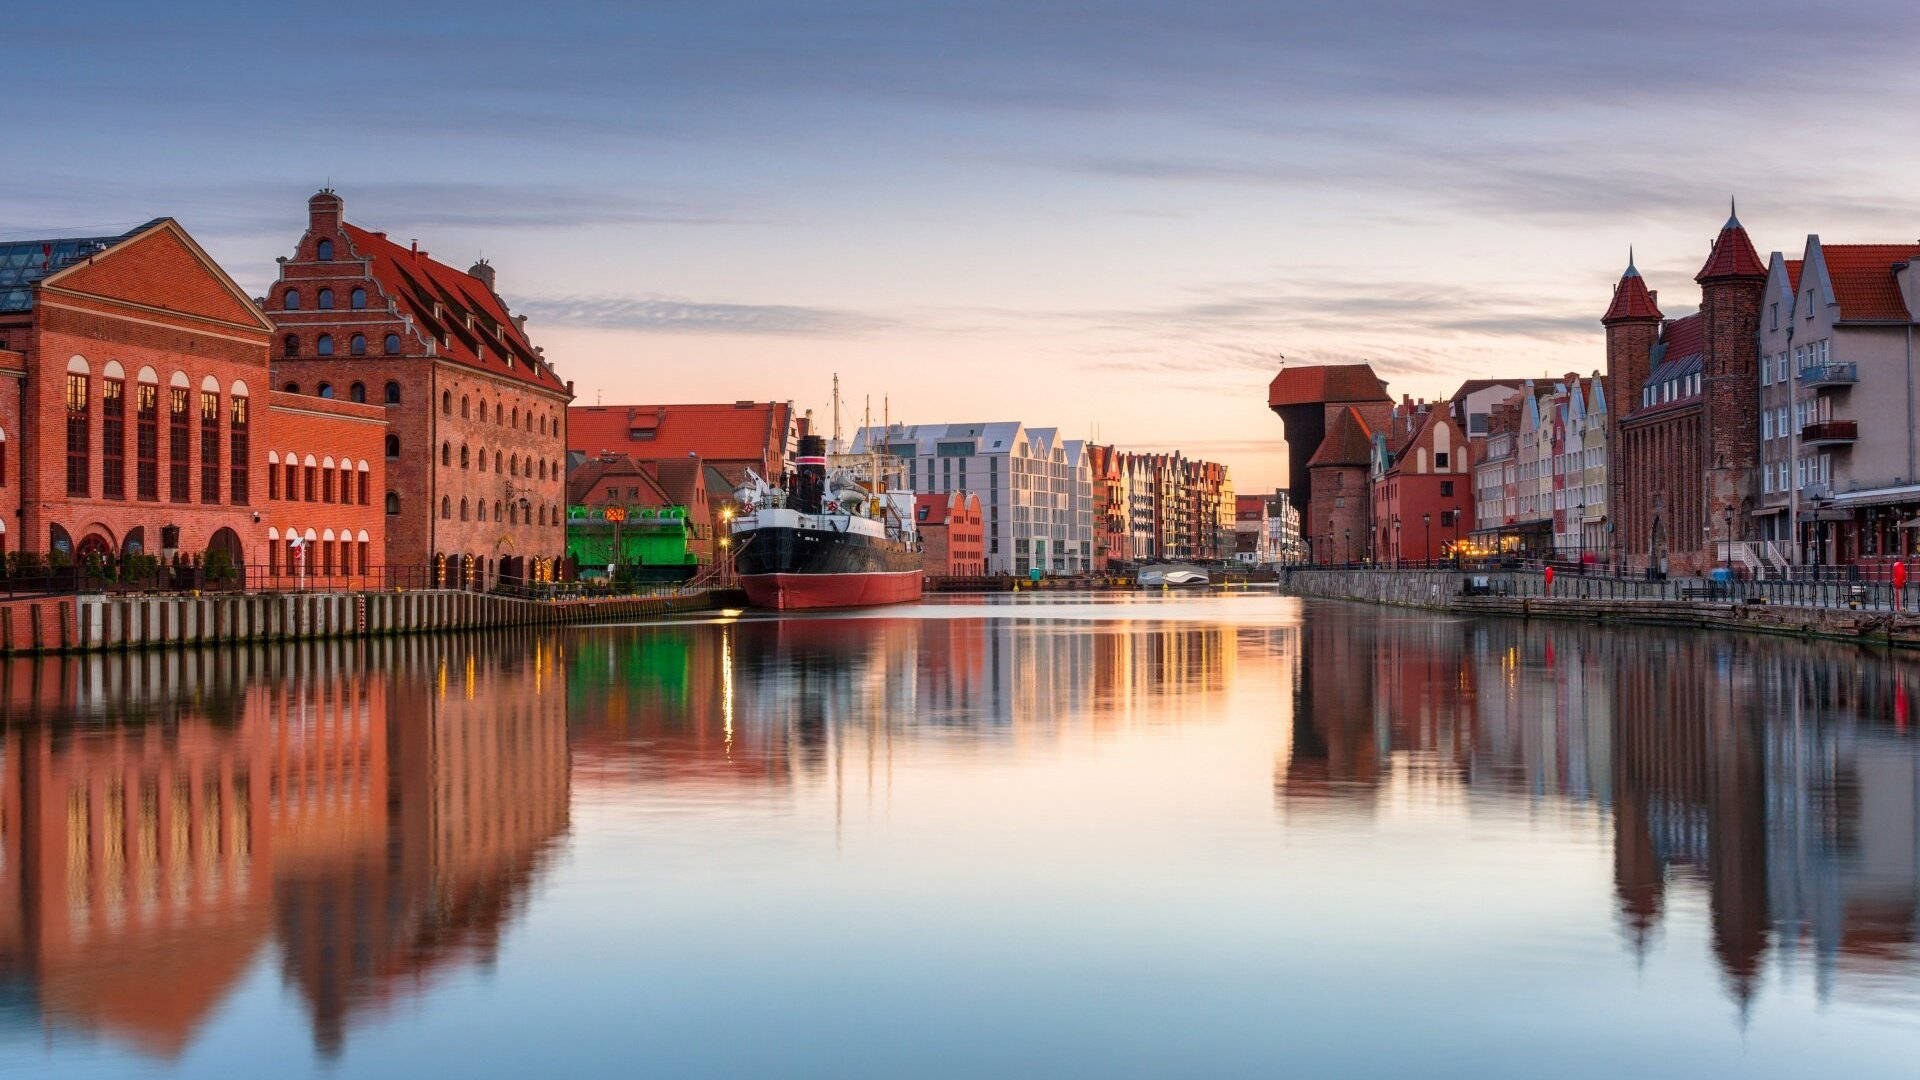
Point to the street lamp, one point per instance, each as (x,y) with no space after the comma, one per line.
(1346,542)
(1426,518)
(1396,543)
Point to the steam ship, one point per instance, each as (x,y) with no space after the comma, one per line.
(824,539)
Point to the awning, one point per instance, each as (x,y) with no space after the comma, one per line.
(1769,511)
(1907,493)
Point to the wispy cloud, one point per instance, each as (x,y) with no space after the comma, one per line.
(659,314)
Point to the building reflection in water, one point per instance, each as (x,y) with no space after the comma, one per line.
(760,703)
(375,810)
(1775,780)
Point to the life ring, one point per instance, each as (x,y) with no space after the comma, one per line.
(831,506)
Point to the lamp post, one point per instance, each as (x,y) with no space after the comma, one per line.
(1396,543)
(1426,518)
(1346,545)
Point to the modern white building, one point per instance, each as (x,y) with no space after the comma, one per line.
(1035,487)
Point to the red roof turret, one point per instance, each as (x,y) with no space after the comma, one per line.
(1631,300)
(1733,255)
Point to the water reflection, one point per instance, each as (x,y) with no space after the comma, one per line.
(1776,779)
(751,809)
(375,811)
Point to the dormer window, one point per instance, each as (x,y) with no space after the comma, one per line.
(323,251)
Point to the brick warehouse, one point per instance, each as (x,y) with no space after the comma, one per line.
(475,450)
(144,422)
(1684,424)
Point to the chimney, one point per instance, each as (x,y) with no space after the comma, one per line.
(483,270)
(1654,296)
(519,321)
(413,245)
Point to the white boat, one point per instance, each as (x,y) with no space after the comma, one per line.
(1173,576)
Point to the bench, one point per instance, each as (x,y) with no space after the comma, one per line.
(1702,592)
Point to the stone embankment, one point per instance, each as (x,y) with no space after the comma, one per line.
(90,622)
(1571,597)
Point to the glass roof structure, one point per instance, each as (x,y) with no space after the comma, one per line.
(24,262)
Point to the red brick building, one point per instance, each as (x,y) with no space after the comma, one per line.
(1340,501)
(1684,414)
(1312,401)
(475,484)
(144,424)
(1422,487)
(1109,507)
(953,534)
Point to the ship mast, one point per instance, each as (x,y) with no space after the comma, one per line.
(836,412)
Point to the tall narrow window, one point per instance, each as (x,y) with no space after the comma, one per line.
(363,547)
(209,446)
(362,500)
(79,434)
(313,483)
(238,451)
(292,485)
(113,439)
(273,476)
(179,448)
(146,418)
(326,486)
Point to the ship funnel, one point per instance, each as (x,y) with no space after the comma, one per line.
(810,477)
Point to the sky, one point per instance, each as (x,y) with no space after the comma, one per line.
(1116,218)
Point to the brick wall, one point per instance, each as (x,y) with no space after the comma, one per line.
(1732,437)
(344,441)
(1340,513)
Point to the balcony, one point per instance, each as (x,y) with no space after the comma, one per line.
(1830,433)
(1823,375)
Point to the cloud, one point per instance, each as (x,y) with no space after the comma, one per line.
(659,314)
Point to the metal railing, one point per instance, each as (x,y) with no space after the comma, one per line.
(1865,588)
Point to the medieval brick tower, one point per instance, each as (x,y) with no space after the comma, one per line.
(1731,285)
(1633,326)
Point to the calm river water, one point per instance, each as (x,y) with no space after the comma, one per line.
(1223,836)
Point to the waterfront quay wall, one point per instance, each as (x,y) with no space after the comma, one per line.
(91,622)
(1825,613)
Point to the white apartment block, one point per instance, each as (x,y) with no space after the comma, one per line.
(1035,487)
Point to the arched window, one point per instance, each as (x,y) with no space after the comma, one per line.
(510,514)
(357,299)
(463,407)
(496,461)
(323,345)
(543,425)
(543,469)
(482,514)
(516,416)
(463,509)
(393,393)
(290,300)
(291,388)
(463,457)
(480,461)
(290,345)
(358,391)
(393,344)
(393,446)
(325,390)
(513,465)
(496,509)
(446,508)
(79,431)
(325,302)
(446,402)
(357,344)
(543,515)
(446,453)
(324,250)
(393,504)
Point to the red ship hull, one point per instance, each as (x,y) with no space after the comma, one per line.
(794,592)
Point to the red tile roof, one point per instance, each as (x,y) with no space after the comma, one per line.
(1863,281)
(1349,441)
(1684,337)
(1325,382)
(932,509)
(1793,274)
(624,470)
(754,432)
(1631,300)
(1733,255)
(417,283)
